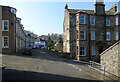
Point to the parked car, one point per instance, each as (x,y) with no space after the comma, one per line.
(27,51)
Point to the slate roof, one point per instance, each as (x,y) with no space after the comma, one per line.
(74,11)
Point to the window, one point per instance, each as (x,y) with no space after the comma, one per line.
(76,19)
(82,51)
(5,41)
(77,50)
(13,11)
(108,36)
(77,34)
(82,19)
(116,20)
(92,50)
(5,25)
(92,20)
(117,33)
(82,35)
(92,35)
(107,21)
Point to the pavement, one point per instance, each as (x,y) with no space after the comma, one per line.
(44,66)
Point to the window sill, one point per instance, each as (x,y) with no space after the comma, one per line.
(92,40)
(5,30)
(5,47)
(82,55)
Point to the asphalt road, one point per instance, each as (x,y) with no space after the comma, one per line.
(43,66)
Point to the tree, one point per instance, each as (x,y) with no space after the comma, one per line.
(60,41)
(50,42)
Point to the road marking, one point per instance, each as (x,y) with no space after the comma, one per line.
(74,66)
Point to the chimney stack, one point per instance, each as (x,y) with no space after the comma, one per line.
(99,7)
(113,8)
(119,6)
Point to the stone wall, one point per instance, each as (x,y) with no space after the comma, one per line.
(110,58)
(66,33)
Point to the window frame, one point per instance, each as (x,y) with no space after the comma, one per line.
(77,51)
(116,36)
(108,22)
(91,35)
(92,21)
(93,50)
(76,19)
(107,35)
(3,42)
(77,35)
(3,26)
(83,50)
(84,35)
(82,19)
(116,21)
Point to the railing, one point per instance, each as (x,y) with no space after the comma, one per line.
(100,71)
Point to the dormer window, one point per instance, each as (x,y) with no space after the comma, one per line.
(13,11)
(82,19)
(19,20)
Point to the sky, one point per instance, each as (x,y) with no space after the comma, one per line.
(47,17)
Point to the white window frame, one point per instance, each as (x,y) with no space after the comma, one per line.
(117,36)
(92,35)
(3,25)
(92,21)
(77,35)
(76,19)
(84,35)
(108,34)
(3,42)
(82,19)
(93,50)
(83,50)
(116,21)
(77,51)
(107,21)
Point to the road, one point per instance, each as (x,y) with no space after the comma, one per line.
(43,66)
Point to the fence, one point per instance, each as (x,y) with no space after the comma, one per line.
(100,71)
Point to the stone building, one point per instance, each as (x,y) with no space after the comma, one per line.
(86,33)
(20,36)
(110,58)
(30,39)
(13,37)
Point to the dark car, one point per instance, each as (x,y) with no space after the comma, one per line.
(27,51)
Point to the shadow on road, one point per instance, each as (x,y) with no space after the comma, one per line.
(11,74)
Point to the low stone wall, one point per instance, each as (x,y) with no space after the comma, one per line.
(110,58)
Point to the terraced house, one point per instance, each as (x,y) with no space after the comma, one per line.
(86,33)
(13,37)
(12,31)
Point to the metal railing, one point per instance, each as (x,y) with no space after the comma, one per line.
(100,71)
